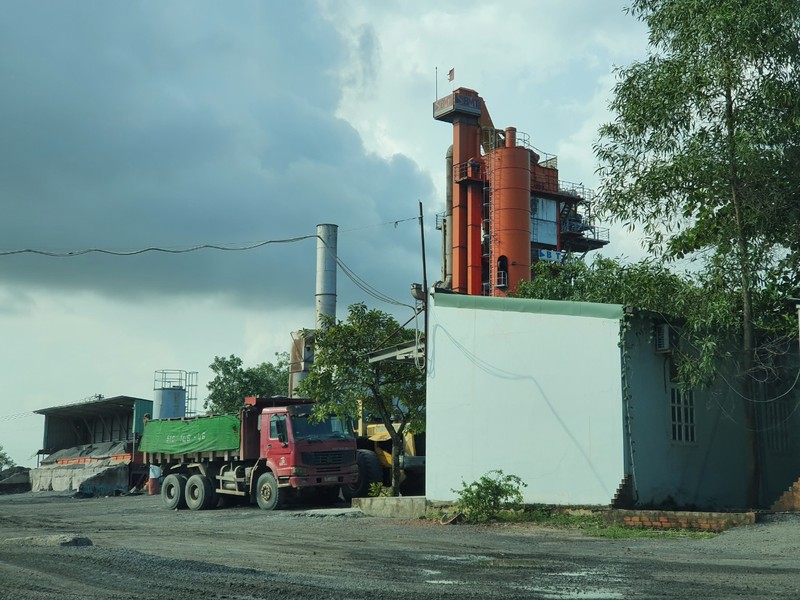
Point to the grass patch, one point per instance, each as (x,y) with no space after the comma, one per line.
(618,532)
(589,522)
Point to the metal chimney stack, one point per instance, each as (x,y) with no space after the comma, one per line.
(326,271)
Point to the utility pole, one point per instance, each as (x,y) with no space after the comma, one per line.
(425,284)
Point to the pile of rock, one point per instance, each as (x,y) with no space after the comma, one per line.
(15,480)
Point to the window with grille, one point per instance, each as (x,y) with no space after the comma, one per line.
(682,413)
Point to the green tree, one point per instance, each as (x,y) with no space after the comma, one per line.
(703,153)
(5,460)
(232,383)
(344,383)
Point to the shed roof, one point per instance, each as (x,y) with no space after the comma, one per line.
(528,305)
(91,408)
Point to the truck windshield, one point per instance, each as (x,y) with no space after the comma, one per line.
(332,428)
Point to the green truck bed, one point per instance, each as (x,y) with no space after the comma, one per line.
(202,434)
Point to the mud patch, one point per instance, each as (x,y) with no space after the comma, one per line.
(50,540)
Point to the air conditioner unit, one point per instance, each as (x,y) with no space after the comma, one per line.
(662,338)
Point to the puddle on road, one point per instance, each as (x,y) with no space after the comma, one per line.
(514,563)
(456,558)
(596,594)
(573,590)
(553,591)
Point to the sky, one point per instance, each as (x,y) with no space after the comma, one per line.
(178,124)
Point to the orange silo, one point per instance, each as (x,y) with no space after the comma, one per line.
(510,178)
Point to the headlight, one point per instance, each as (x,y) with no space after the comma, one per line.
(354,467)
(299,471)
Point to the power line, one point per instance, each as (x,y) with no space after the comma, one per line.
(688,340)
(227,247)
(367,288)
(395,223)
(15,416)
(223,247)
(358,281)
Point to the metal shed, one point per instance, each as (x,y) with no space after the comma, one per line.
(91,446)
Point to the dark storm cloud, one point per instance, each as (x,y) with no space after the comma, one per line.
(128,125)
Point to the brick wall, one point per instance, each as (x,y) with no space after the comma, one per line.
(790,500)
(672,519)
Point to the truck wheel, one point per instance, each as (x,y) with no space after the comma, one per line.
(199,493)
(268,494)
(369,471)
(173,491)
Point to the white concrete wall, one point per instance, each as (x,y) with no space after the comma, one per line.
(537,395)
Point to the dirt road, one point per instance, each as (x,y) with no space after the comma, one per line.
(134,548)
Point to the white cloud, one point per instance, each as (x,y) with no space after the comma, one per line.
(193,123)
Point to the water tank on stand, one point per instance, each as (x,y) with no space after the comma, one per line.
(174,394)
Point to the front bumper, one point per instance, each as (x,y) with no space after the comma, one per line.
(325,479)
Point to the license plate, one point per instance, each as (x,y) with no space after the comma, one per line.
(330,478)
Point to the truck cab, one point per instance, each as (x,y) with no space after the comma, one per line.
(302,452)
(298,454)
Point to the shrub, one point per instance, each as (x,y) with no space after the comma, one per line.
(482,500)
(376,490)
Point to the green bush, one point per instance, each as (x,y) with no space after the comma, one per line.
(376,490)
(482,500)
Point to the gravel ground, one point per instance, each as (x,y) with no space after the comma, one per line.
(56,546)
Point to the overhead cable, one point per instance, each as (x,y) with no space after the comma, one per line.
(225,247)
(358,281)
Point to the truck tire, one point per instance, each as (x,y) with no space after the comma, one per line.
(199,493)
(268,495)
(173,491)
(369,471)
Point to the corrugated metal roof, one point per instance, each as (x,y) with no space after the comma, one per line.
(527,305)
(90,408)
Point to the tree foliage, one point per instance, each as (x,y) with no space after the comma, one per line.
(343,382)
(5,460)
(232,383)
(706,309)
(704,154)
(705,144)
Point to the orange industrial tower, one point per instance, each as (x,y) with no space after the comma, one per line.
(506,207)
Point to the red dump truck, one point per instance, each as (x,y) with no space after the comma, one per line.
(269,453)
